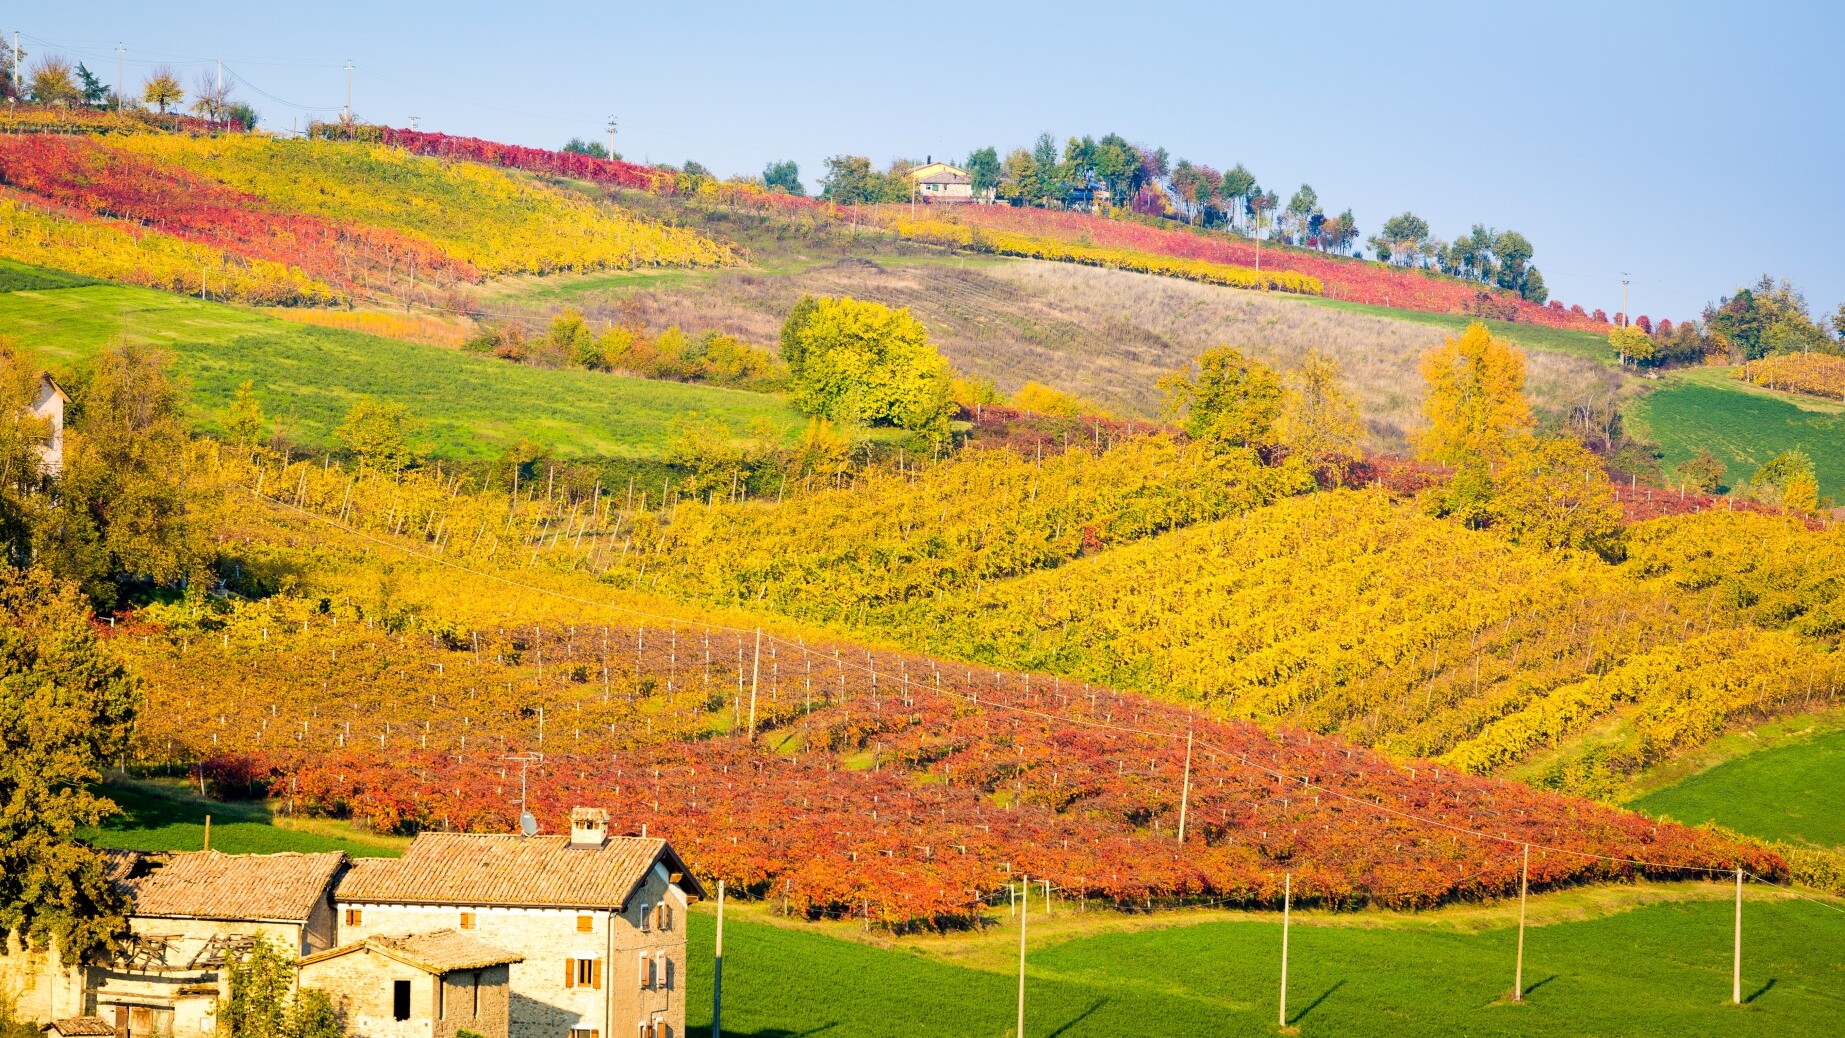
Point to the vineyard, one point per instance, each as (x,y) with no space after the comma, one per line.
(836,780)
(1206,580)
(1341,278)
(1815,374)
(277,221)
(1007,243)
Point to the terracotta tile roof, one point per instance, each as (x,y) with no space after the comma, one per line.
(512,871)
(210,885)
(120,866)
(442,951)
(88,1026)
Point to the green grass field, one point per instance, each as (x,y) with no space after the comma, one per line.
(475,407)
(1742,425)
(1790,792)
(168,816)
(1530,336)
(1660,969)
(1615,960)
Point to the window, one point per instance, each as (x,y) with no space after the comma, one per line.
(583,1032)
(659,1026)
(583,973)
(663,969)
(354,917)
(662,916)
(400,1000)
(646,964)
(467,920)
(586,923)
(646,918)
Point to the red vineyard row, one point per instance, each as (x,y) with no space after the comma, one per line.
(891,785)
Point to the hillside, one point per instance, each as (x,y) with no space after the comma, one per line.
(476,408)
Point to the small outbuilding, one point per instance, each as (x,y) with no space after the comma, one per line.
(78,1027)
(428,985)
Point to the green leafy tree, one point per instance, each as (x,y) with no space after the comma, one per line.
(1630,345)
(783,176)
(1236,187)
(849,180)
(127,512)
(245,420)
(53,83)
(861,362)
(312,1016)
(1787,480)
(1401,238)
(95,92)
(162,89)
(1225,398)
(1302,208)
(593,149)
(984,170)
(65,712)
(1021,181)
(1052,184)
(1319,420)
(261,980)
(378,433)
(1703,471)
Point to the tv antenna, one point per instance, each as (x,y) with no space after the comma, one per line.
(528,824)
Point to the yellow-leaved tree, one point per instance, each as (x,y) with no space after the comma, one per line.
(1319,420)
(1476,399)
(1231,400)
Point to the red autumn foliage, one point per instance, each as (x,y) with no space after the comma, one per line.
(85,177)
(1344,278)
(890,785)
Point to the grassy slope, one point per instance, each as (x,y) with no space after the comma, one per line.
(168,816)
(1790,791)
(475,407)
(1662,969)
(1532,337)
(1741,424)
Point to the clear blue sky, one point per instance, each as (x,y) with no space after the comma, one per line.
(1694,145)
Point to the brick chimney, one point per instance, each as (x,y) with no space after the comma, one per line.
(589,827)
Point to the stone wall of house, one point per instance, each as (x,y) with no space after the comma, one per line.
(475,1000)
(544,1000)
(39,987)
(633,1005)
(361,986)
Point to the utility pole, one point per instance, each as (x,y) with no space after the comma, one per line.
(611,136)
(16,80)
(1736,967)
(1024,910)
(1287,900)
(121,86)
(755,672)
(1524,882)
(220,76)
(413,124)
(1626,319)
(349,91)
(717,971)
(1185,792)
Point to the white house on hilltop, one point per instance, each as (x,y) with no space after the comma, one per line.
(48,403)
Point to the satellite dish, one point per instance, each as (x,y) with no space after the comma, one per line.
(527,824)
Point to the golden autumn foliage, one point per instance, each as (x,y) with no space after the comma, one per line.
(1476,399)
(1009,243)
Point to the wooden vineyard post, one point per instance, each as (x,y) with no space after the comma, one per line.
(1024,910)
(1287,899)
(1185,793)
(1524,882)
(755,672)
(717,970)
(1736,960)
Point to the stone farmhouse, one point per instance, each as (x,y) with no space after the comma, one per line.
(599,921)
(578,936)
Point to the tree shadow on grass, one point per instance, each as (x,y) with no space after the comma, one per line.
(1315,1004)
(1763,990)
(772,1032)
(1079,1018)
